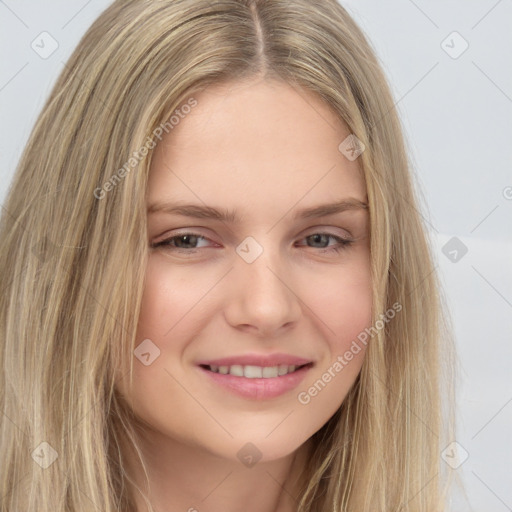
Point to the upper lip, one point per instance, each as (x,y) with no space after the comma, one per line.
(257,360)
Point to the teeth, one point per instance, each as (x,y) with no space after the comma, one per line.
(282,369)
(270,371)
(254,372)
(237,370)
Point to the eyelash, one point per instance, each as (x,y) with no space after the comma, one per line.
(344,243)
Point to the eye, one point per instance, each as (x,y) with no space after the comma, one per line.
(188,242)
(183,241)
(322,238)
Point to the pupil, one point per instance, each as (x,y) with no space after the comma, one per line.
(187,239)
(317,237)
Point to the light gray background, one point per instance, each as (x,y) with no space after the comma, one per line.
(457,114)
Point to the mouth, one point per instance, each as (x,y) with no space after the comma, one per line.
(255,372)
(257,378)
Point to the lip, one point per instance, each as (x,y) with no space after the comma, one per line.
(257,360)
(257,388)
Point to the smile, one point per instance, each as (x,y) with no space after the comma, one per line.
(255,372)
(255,377)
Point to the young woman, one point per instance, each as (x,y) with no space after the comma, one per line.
(217,289)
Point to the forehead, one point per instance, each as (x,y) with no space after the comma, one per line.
(258,143)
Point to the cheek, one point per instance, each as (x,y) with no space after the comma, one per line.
(170,297)
(342,303)
(341,299)
(350,313)
(169,312)
(157,300)
(162,320)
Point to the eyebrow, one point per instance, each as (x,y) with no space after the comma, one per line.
(230,216)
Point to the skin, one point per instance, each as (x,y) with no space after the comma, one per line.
(265,150)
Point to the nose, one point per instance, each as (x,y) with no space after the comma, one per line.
(262,298)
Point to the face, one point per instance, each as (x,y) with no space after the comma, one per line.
(253,292)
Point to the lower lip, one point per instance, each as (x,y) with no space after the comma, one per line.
(259,389)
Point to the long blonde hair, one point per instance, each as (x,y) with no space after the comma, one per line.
(74,253)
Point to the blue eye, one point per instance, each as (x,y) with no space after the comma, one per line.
(183,240)
(187,242)
(343,243)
